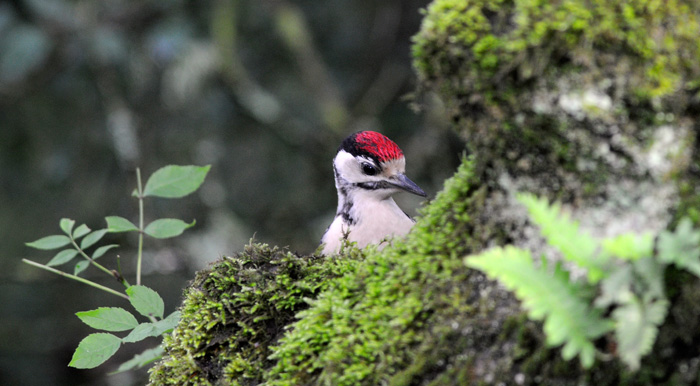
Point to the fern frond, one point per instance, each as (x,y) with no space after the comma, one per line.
(615,287)
(636,326)
(564,234)
(681,247)
(568,319)
(630,246)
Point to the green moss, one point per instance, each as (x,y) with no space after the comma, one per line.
(478,47)
(235,310)
(515,76)
(491,60)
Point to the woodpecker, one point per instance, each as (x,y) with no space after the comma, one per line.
(369,168)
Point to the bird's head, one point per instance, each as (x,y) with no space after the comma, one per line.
(370,161)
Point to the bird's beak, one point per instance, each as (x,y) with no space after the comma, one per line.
(402,182)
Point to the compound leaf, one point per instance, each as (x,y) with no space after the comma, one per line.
(681,247)
(568,319)
(564,234)
(630,246)
(615,287)
(636,326)
(650,277)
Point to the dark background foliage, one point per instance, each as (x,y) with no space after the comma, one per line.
(262,90)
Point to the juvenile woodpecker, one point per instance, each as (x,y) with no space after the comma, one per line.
(369,168)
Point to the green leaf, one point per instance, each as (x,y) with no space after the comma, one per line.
(615,287)
(50,242)
(108,319)
(141,360)
(167,323)
(66,225)
(681,247)
(81,231)
(146,330)
(568,319)
(146,301)
(102,250)
(92,238)
(80,267)
(119,224)
(630,246)
(636,326)
(167,227)
(62,257)
(94,350)
(175,181)
(141,332)
(564,234)
(650,274)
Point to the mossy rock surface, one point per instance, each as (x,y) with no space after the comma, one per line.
(236,309)
(591,103)
(570,95)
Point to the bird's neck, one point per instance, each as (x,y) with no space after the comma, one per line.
(356,204)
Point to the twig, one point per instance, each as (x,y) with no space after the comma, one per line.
(77,278)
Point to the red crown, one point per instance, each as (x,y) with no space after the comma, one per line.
(377,145)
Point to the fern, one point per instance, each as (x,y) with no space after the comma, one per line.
(564,234)
(637,318)
(681,247)
(630,246)
(623,270)
(568,319)
(636,325)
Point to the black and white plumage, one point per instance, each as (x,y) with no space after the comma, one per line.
(369,168)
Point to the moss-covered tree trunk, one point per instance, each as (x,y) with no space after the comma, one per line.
(590,103)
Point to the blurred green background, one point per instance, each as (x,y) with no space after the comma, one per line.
(264,91)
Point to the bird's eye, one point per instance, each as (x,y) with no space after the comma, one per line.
(369,169)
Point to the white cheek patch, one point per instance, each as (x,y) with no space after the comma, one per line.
(347,166)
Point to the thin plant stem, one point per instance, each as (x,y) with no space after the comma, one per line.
(119,270)
(77,278)
(140,250)
(96,264)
